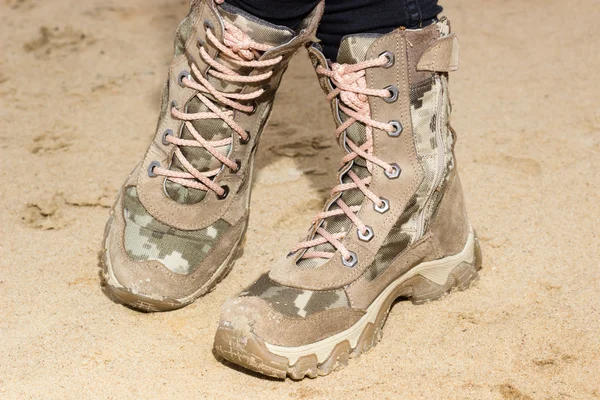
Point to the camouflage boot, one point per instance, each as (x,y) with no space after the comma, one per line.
(395,225)
(181,215)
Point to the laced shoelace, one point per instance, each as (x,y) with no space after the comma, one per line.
(239,49)
(350,85)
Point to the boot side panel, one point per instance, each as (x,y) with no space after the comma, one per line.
(450,225)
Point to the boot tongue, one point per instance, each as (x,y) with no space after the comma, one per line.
(260,31)
(353,49)
(215,129)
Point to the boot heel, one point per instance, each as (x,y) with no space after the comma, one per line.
(460,278)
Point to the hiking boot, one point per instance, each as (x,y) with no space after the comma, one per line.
(180,217)
(395,225)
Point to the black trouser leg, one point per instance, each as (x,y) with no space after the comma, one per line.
(345,17)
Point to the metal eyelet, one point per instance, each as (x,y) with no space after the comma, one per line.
(395,171)
(174,104)
(397,128)
(266,88)
(183,74)
(168,132)
(254,108)
(384,208)
(390,57)
(225,193)
(200,43)
(245,141)
(151,167)
(352,261)
(393,94)
(238,163)
(208,25)
(367,236)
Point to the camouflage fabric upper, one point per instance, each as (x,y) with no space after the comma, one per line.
(215,129)
(295,302)
(147,239)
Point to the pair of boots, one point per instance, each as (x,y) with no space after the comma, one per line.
(394,226)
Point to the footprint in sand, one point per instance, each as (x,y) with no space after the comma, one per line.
(48,143)
(306,148)
(58,40)
(45,214)
(557,361)
(52,212)
(510,392)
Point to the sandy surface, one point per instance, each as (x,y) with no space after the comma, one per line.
(80,84)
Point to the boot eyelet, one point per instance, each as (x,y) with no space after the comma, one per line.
(168,132)
(391,59)
(183,74)
(393,94)
(266,88)
(245,141)
(254,108)
(208,25)
(352,261)
(395,173)
(151,167)
(174,104)
(397,128)
(200,43)
(225,193)
(366,236)
(385,206)
(238,163)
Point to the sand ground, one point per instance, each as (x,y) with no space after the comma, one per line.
(80,84)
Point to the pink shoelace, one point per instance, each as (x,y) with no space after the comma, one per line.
(351,86)
(240,50)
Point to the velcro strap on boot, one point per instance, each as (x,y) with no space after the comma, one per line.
(441,56)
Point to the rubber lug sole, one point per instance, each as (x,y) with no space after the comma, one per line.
(244,348)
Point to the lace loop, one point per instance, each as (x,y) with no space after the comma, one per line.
(350,87)
(240,50)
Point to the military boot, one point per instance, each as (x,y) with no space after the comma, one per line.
(182,213)
(394,226)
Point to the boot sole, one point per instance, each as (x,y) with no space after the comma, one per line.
(425,282)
